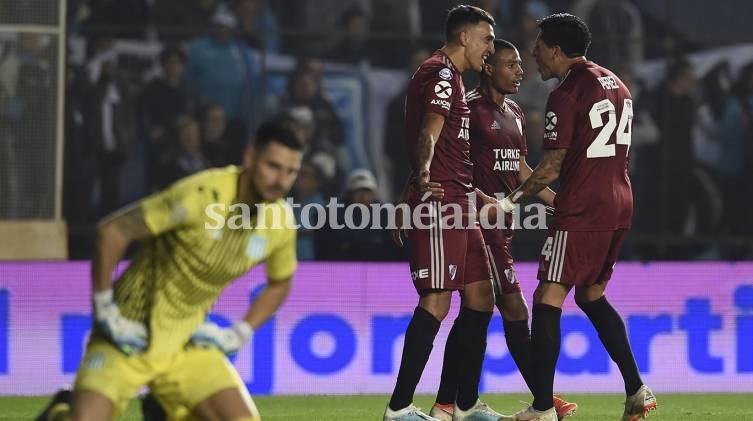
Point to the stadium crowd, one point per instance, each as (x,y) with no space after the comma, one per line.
(133,127)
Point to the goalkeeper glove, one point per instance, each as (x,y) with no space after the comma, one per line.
(228,340)
(128,335)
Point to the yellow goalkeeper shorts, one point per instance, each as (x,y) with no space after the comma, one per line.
(179,381)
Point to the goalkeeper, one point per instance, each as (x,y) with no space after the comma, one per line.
(150,329)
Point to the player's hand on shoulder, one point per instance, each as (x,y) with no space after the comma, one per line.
(128,335)
(228,340)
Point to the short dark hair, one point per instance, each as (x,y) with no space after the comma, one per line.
(568,31)
(462,15)
(172,51)
(499,45)
(274,131)
(677,67)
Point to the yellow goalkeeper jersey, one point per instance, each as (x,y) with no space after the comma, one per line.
(176,276)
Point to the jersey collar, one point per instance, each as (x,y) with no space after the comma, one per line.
(485,95)
(447,61)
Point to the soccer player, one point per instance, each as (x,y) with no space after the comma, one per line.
(586,142)
(445,259)
(150,329)
(498,153)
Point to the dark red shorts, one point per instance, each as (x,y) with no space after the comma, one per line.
(580,258)
(446,258)
(503,273)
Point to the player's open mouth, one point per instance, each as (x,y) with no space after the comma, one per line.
(516,83)
(484,57)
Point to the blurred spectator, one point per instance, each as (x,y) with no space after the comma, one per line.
(304,89)
(394,140)
(108,122)
(433,17)
(617,30)
(311,23)
(716,99)
(177,19)
(354,45)
(163,100)
(523,28)
(36,122)
(350,243)
(117,18)
(187,157)
(664,198)
(301,120)
(214,142)
(736,159)
(257,25)
(9,177)
(307,192)
(220,71)
(80,154)
(395,25)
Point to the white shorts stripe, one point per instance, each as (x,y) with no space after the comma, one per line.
(432,246)
(496,281)
(556,267)
(562,258)
(441,245)
(552,256)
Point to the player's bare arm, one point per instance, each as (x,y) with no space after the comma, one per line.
(431,128)
(546,194)
(542,176)
(267,303)
(114,234)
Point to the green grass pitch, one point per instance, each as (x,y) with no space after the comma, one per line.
(593,407)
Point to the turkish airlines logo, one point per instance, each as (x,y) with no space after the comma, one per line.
(443,89)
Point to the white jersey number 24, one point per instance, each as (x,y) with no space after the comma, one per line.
(600,148)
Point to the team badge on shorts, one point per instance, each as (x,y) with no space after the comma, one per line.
(453,269)
(510,275)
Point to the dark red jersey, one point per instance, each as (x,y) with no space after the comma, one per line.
(497,143)
(437,87)
(590,114)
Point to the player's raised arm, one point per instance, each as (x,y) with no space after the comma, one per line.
(546,194)
(431,128)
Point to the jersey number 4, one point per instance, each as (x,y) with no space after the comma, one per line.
(599,147)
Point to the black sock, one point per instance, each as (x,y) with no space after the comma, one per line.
(419,340)
(518,339)
(611,329)
(545,349)
(448,385)
(472,327)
